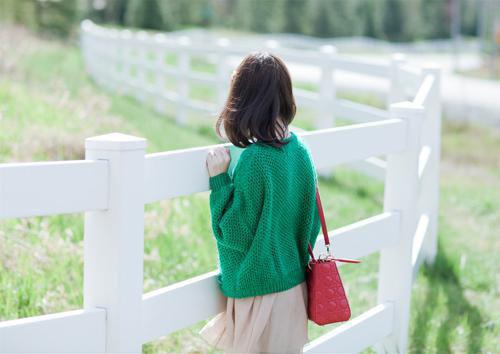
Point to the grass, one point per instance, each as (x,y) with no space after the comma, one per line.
(48,106)
(489,70)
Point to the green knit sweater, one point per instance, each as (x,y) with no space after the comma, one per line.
(263,217)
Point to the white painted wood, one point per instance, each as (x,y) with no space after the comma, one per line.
(176,173)
(372,166)
(143,38)
(306,98)
(180,305)
(358,112)
(329,146)
(186,173)
(425,91)
(396,88)
(361,66)
(411,77)
(223,74)
(327,93)
(202,292)
(361,238)
(357,334)
(184,67)
(160,79)
(200,78)
(423,160)
(114,241)
(418,243)
(200,106)
(325,117)
(67,332)
(432,137)
(55,187)
(400,194)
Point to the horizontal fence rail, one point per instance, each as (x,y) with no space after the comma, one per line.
(330,147)
(399,145)
(358,334)
(79,331)
(60,187)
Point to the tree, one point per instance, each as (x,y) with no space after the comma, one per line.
(436,17)
(393,20)
(296,16)
(370,13)
(336,18)
(144,14)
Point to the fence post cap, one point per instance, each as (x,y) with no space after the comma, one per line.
(86,24)
(126,33)
(328,48)
(141,35)
(223,42)
(431,66)
(160,37)
(399,57)
(406,108)
(271,44)
(115,141)
(184,41)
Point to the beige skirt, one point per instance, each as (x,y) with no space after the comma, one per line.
(270,323)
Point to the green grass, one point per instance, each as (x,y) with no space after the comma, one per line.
(489,70)
(48,106)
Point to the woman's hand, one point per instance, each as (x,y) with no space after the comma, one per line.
(218,160)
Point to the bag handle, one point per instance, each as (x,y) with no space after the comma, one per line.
(325,232)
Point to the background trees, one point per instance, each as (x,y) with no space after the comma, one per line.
(395,20)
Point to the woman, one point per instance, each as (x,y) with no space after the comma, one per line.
(263,216)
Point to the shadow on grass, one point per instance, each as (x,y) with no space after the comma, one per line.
(443,278)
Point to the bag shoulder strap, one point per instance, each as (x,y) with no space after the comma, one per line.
(323,223)
(325,230)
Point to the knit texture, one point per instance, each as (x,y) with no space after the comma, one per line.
(263,217)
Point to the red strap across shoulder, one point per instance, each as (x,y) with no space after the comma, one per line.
(325,231)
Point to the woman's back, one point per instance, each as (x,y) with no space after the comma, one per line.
(263,234)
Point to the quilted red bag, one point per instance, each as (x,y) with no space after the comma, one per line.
(327,300)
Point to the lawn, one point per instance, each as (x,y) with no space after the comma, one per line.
(490,69)
(48,106)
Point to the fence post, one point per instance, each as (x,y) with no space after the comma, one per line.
(184,63)
(114,241)
(327,93)
(114,73)
(140,43)
(159,85)
(125,75)
(395,93)
(401,194)
(223,76)
(432,136)
(86,45)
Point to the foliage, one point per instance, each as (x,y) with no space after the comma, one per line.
(47,16)
(396,20)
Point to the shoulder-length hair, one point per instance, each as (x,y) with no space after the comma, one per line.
(260,102)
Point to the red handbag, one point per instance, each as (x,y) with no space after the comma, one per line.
(327,300)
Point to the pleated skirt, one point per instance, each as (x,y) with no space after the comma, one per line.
(270,323)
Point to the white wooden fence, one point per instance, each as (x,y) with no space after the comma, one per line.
(117,178)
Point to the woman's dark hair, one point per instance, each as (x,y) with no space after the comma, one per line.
(260,102)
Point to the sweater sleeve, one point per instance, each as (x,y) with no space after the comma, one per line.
(235,204)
